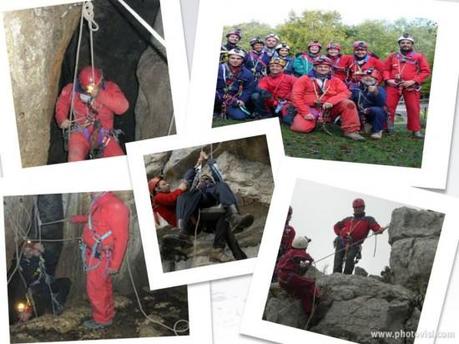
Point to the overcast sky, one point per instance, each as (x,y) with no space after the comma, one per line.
(317,207)
(352,12)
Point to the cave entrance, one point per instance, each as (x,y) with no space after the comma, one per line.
(123,50)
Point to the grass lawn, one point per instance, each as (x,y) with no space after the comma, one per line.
(398,149)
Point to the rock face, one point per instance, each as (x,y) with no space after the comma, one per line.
(245,167)
(414,237)
(352,306)
(37,40)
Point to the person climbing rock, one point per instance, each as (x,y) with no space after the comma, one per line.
(351,233)
(320,98)
(404,73)
(290,270)
(35,292)
(95,102)
(207,191)
(104,242)
(163,200)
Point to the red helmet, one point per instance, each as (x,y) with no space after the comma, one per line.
(322,60)
(153,183)
(358,203)
(360,45)
(314,43)
(332,45)
(87,77)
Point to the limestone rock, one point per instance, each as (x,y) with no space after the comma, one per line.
(37,40)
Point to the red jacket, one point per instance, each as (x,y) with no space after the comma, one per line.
(354,69)
(280,86)
(109,101)
(287,239)
(340,65)
(413,66)
(290,262)
(164,204)
(107,213)
(305,91)
(357,227)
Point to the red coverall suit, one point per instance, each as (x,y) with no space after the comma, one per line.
(355,71)
(109,101)
(280,87)
(351,233)
(413,66)
(107,214)
(287,239)
(288,273)
(307,92)
(164,204)
(340,65)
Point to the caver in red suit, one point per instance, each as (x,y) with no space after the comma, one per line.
(311,92)
(108,222)
(340,62)
(360,62)
(95,102)
(164,202)
(406,65)
(289,273)
(287,236)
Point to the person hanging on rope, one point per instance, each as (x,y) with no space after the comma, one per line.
(361,61)
(304,62)
(405,71)
(320,98)
(95,102)
(36,291)
(257,59)
(273,96)
(207,191)
(351,233)
(370,100)
(290,270)
(163,200)
(233,37)
(103,247)
(235,84)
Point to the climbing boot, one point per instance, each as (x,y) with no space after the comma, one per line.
(217,254)
(181,239)
(355,136)
(93,325)
(418,135)
(377,135)
(238,222)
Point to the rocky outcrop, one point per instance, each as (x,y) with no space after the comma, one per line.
(37,40)
(352,306)
(414,236)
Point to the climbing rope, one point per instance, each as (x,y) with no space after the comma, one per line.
(173,329)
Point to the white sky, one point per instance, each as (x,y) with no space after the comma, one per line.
(352,12)
(317,207)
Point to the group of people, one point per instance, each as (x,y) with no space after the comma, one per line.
(103,246)
(293,260)
(184,209)
(312,87)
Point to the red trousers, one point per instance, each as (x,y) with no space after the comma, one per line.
(300,287)
(79,147)
(350,121)
(99,289)
(413,108)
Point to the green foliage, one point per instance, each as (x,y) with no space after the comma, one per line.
(399,149)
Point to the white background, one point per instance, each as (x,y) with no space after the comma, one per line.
(228,295)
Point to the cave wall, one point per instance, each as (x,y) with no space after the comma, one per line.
(36,41)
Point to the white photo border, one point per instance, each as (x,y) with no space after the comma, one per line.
(61,180)
(252,323)
(442,104)
(177,65)
(137,151)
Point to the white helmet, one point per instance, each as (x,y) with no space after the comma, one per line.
(237,52)
(406,36)
(301,242)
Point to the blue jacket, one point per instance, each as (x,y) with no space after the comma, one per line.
(257,63)
(241,85)
(364,99)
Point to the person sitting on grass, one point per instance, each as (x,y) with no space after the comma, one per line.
(322,97)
